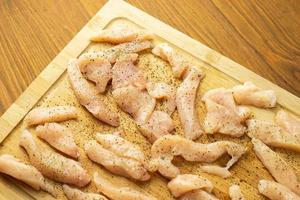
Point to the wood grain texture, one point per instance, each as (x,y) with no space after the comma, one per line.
(261,35)
(220,71)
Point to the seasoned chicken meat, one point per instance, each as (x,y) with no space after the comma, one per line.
(159,124)
(113,53)
(165,148)
(223,115)
(125,160)
(120,146)
(288,123)
(272,135)
(250,94)
(186,103)
(75,194)
(163,91)
(139,104)
(52,114)
(167,53)
(276,191)
(87,96)
(185,183)
(59,137)
(115,192)
(98,70)
(278,168)
(28,174)
(198,195)
(121,34)
(125,73)
(235,193)
(52,164)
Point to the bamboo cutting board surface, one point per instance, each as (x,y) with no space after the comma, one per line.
(52,88)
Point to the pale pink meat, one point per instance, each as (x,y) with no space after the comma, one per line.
(88,97)
(186,103)
(53,165)
(159,124)
(60,137)
(121,34)
(43,115)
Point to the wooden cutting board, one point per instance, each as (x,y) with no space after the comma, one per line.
(51,87)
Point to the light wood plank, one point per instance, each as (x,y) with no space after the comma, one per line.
(217,67)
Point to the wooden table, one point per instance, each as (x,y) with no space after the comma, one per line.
(261,35)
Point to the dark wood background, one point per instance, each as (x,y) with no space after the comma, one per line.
(262,35)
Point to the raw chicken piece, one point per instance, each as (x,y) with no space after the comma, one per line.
(235,193)
(116,192)
(186,103)
(198,195)
(272,135)
(121,147)
(288,123)
(223,115)
(217,170)
(28,174)
(276,191)
(75,194)
(167,53)
(159,124)
(121,34)
(123,166)
(277,167)
(59,137)
(139,104)
(186,183)
(250,94)
(52,164)
(51,114)
(165,148)
(125,73)
(97,70)
(163,91)
(87,96)
(113,53)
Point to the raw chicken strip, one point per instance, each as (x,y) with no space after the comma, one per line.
(163,91)
(165,148)
(223,115)
(167,53)
(121,34)
(186,103)
(235,193)
(87,96)
(159,124)
(59,137)
(288,123)
(123,166)
(52,164)
(75,194)
(51,114)
(198,195)
(28,174)
(277,167)
(185,183)
(116,192)
(138,104)
(216,170)
(98,70)
(125,73)
(113,53)
(276,191)
(273,135)
(250,94)
(121,147)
